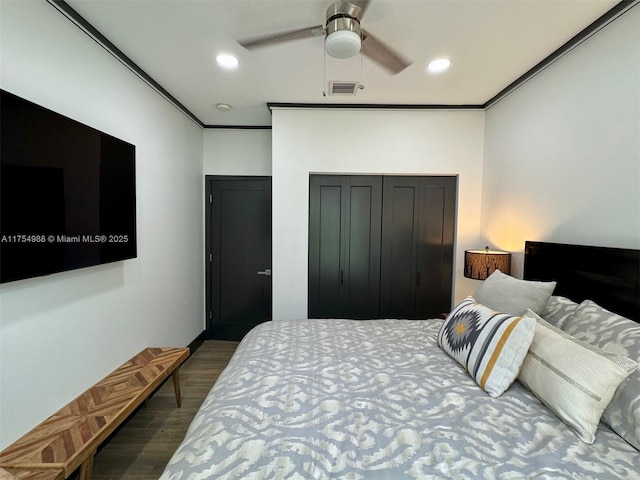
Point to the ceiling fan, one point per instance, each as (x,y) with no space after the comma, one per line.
(344,38)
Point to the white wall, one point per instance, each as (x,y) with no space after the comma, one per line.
(562,153)
(62,333)
(237,152)
(366,142)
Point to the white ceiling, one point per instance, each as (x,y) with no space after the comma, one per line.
(491,44)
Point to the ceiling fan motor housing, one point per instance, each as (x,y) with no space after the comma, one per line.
(344,37)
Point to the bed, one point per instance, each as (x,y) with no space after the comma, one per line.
(382,399)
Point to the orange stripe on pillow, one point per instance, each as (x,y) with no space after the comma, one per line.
(497,350)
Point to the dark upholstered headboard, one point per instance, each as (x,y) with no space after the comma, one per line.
(608,276)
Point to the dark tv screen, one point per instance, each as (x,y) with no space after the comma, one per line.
(67,193)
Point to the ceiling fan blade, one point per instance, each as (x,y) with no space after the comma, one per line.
(363,4)
(266,40)
(379,52)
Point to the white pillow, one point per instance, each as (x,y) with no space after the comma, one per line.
(513,296)
(489,345)
(575,380)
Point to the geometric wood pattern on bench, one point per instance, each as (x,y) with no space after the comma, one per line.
(22,474)
(69,438)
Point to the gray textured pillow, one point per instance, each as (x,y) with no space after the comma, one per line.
(504,293)
(613,333)
(575,380)
(559,310)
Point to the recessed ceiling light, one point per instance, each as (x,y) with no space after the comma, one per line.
(227,61)
(439,65)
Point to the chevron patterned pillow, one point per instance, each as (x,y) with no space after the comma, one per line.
(490,345)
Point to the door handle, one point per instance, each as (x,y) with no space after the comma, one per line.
(266,272)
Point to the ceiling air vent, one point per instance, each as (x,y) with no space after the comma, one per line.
(343,88)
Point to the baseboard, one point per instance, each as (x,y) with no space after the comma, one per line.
(195,344)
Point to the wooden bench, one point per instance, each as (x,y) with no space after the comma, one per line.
(69,438)
(22,473)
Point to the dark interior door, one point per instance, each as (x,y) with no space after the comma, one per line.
(239,255)
(344,246)
(417,246)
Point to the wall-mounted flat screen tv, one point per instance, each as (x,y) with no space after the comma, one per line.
(67,193)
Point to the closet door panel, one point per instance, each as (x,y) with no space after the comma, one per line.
(399,242)
(344,246)
(435,247)
(417,246)
(330,246)
(325,249)
(362,256)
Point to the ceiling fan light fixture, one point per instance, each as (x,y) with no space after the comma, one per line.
(343,44)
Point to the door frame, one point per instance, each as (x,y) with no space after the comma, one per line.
(208,243)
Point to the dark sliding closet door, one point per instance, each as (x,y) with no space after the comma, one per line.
(344,246)
(380,247)
(418,218)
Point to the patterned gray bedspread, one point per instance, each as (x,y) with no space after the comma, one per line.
(377,399)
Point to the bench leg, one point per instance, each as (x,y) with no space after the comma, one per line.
(176,386)
(86,468)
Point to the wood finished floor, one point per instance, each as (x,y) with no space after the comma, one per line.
(143,446)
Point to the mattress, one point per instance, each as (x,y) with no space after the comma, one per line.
(377,399)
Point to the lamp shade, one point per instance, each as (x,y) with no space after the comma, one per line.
(479,264)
